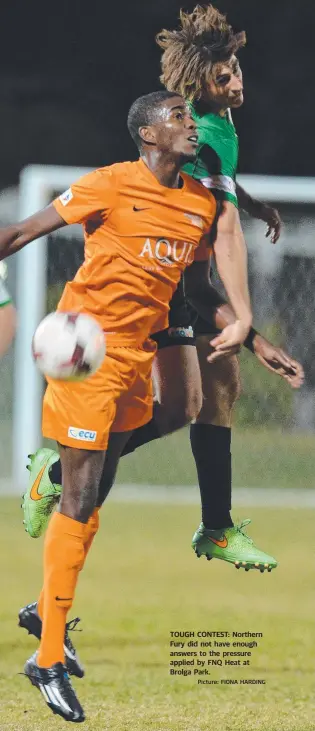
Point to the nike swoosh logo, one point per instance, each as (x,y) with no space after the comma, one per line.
(140,209)
(34,494)
(221,544)
(61,599)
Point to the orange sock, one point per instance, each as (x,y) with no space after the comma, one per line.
(63,559)
(91,527)
(40,604)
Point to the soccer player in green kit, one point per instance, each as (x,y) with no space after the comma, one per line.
(198,62)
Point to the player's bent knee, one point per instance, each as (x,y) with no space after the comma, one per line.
(193,406)
(180,412)
(237,391)
(232,385)
(178,387)
(221,389)
(81,474)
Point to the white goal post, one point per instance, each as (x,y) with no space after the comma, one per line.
(38,184)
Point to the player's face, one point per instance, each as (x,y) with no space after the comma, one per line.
(175,130)
(225,88)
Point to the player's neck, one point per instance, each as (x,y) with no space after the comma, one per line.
(164,168)
(207,107)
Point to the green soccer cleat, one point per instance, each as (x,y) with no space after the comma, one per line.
(232,545)
(41,495)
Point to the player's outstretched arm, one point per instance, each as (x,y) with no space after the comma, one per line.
(212,307)
(13,238)
(262,211)
(276,360)
(231,258)
(273,358)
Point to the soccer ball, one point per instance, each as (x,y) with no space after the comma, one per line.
(68,346)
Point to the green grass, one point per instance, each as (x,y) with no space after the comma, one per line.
(288,459)
(261,458)
(142,581)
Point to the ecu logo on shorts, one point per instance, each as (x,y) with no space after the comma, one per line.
(83,435)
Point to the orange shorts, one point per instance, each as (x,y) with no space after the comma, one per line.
(118,397)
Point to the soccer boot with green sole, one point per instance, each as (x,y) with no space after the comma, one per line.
(232,545)
(56,689)
(41,495)
(31,621)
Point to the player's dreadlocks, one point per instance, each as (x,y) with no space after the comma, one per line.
(203,39)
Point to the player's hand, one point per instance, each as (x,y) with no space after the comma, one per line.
(272,218)
(277,361)
(229,341)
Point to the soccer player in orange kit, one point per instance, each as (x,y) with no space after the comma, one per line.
(143,223)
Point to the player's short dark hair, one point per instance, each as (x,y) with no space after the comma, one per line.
(142,112)
(203,39)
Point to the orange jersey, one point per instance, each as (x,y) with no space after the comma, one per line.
(139,237)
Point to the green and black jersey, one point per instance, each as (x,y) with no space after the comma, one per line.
(215,166)
(217,157)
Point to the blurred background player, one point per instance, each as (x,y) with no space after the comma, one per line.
(7,314)
(133,261)
(199,62)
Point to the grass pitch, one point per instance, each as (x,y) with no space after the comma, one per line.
(288,460)
(141,582)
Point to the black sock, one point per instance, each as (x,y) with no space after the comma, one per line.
(211,447)
(144,434)
(55,473)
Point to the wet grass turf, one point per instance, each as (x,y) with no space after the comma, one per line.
(142,581)
(261,458)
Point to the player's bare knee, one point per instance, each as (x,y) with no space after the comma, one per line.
(193,406)
(79,503)
(81,474)
(234,381)
(179,412)
(175,368)
(221,389)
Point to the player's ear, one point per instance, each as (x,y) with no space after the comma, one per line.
(147,135)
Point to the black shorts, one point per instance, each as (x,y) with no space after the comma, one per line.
(184,323)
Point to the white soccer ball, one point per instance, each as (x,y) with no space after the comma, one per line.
(68,346)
